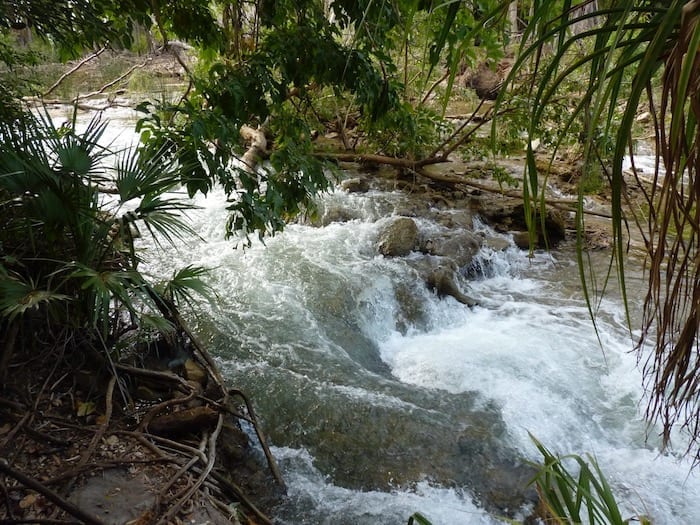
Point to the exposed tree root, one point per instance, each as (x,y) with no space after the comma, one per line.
(33,484)
(261,437)
(185,475)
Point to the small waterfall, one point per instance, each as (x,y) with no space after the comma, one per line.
(382,399)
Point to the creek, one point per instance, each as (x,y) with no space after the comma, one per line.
(382,399)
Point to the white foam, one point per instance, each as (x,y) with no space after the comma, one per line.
(334,505)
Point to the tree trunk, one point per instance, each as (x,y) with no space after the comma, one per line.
(513,20)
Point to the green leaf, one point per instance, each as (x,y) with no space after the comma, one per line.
(418,519)
(185,282)
(17,297)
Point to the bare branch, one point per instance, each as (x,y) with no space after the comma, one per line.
(73,70)
(49,494)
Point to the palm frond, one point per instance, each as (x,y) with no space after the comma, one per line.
(187,282)
(139,173)
(157,323)
(163,216)
(17,297)
(100,288)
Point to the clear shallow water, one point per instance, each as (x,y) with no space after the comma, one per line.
(350,357)
(381,399)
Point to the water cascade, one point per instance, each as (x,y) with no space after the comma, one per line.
(381,398)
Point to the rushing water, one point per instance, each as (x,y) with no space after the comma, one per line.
(382,399)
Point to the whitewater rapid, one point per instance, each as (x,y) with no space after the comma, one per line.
(317,328)
(529,349)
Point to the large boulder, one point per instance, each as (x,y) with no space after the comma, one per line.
(459,247)
(355,185)
(398,237)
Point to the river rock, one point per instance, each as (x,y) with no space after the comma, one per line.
(460,247)
(455,219)
(443,281)
(509,216)
(355,185)
(497,244)
(522,240)
(332,215)
(398,237)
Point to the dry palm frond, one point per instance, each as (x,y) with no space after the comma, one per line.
(672,305)
(621,54)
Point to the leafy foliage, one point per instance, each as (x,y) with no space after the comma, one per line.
(576,497)
(418,519)
(67,251)
(266,63)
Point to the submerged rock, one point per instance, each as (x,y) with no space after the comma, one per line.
(443,281)
(355,185)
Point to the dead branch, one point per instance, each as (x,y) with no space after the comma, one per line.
(6,497)
(370,158)
(36,435)
(73,70)
(80,105)
(87,454)
(105,464)
(261,438)
(39,521)
(7,345)
(175,445)
(115,81)
(202,478)
(456,132)
(562,204)
(166,377)
(434,86)
(181,472)
(236,491)
(170,312)
(9,438)
(19,407)
(49,494)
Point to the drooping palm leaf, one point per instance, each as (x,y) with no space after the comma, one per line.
(672,306)
(621,55)
(187,282)
(17,297)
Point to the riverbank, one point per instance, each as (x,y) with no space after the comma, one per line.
(106,443)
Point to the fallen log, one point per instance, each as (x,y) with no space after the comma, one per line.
(183,421)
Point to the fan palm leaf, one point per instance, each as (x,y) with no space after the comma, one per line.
(63,240)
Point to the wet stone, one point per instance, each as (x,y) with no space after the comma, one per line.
(114,497)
